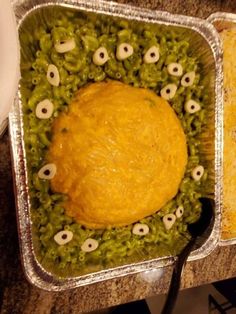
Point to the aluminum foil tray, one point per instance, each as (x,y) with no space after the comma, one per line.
(206,44)
(221,21)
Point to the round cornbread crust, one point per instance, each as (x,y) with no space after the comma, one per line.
(120,154)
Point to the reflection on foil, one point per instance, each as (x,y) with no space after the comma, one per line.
(151,276)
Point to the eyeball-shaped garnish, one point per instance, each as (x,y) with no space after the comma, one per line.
(169,220)
(65,45)
(47,172)
(100,56)
(168,91)
(188,79)
(191,106)
(53,76)
(124,51)
(140,229)
(175,69)
(197,173)
(179,212)
(152,55)
(63,237)
(89,245)
(44,109)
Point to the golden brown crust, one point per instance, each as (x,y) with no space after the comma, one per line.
(122,157)
(229,179)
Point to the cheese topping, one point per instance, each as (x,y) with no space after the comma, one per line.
(229,167)
(116,145)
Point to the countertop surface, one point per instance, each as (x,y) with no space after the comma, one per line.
(18,296)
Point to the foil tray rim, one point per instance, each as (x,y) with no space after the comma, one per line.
(221,16)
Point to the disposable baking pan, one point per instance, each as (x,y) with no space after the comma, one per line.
(206,44)
(221,21)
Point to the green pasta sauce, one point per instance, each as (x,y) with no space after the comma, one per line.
(117,246)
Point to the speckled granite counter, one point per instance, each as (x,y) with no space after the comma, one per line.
(18,296)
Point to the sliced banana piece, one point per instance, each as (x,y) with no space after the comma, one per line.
(53,76)
(140,229)
(152,55)
(188,79)
(47,172)
(179,212)
(100,56)
(191,106)
(168,92)
(197,173)
(124,51)
(175,69)
(63,237)
(169,221)
(65,45)
(89,245)
(44,109)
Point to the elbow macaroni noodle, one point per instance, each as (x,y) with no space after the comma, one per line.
(76,68)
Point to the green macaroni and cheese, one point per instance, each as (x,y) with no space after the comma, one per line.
(68,134)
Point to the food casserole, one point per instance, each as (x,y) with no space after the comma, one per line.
(207,49)
(225,23)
